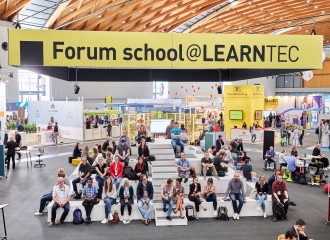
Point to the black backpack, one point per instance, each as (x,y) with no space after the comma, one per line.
(301,179)
(280,212)
(222,214)
(77,217)
(190,212)
(127,171)
(317,130)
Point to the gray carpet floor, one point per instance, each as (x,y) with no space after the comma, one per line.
(24,187)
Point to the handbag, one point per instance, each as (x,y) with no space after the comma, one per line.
(115,218)
(253,193)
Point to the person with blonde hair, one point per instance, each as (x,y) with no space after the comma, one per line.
(109,198)
(126,194)
(262,191)
(49,196)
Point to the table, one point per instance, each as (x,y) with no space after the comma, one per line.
(246,135)
(4,222)
(27,153)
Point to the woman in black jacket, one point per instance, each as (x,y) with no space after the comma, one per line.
(143,151)
(317,153)
(140,168)
(262,191)
(195,195)
(76,151)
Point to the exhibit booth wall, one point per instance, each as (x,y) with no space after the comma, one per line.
(68,115)
(246,98)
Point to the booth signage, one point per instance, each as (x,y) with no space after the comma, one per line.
(271,103)
(163,50)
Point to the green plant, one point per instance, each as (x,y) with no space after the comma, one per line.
(11,126)
(33,127)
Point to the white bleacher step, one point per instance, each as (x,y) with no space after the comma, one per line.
(165,157)
(168,169)
(160,219)
(162,151)
(153,146)
(164,175)
(163,163)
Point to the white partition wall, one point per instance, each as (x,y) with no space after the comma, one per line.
(69,116)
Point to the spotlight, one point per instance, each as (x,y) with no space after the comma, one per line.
(17,25)
(76,88)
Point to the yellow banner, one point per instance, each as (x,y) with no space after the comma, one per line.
(163,50)
(243,91)
(271,103)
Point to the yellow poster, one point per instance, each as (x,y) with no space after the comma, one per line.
(271,103)
(163,50)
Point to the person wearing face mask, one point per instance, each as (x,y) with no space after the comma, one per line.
(236,193)
(280,196)
(123,151)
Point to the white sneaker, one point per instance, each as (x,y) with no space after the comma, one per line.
(237,216)
(258,208)
(197,216)
(215,213)
(265,215)
(38,213)
(105,221)
(110,217)
(234,216)
(51,224)
(57,222)
(130,218)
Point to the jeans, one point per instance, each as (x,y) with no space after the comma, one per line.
(255,180)
(66,208)
(174,142)
(261,200)
(45,198)
(288,135)
(212,198)
(269,161)
(108,202)
(170,205)
(300,141)
(253,138)
(77,180)
(101,184)
(234,197)
(116,182)
(146,213)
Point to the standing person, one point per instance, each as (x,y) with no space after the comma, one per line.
(299,229)
(18,140)
(253,133)
(318,131)
(219,143)
(262,192)
(178,197)
(126,194)
(221,126)
(89,193)
(116,172)
(101,170)
(109,129)
(84,171)
(166,193)
(61,198)
(301,133)
(11,145)
(123,151)
(56,133)
(236,193)
(295,136)
(210,194)
(195,195)
(280,196)
(145,193)
(5,131)
(288,129)
(176,137)
(168,129)
(109,198)
(221,116)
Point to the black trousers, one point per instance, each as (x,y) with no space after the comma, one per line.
(196,200)
(286,204)
(8,161)
(88,204)
(123,204)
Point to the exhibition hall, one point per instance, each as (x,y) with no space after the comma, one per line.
(167,119)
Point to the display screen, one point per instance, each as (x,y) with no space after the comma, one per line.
(159,125)
(236,115)
(258,114)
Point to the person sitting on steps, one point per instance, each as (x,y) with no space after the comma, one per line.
(195,195)
(184,167)
(167,197)
(176,137)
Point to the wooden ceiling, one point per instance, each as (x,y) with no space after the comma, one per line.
(235,16)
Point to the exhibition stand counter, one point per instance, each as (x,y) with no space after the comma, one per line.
(246,135)
(46,137)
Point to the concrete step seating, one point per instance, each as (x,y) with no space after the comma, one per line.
(160,218)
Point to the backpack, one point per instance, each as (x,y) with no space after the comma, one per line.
(222,214)
(151,158)
(77,217)
(301,179)
(127,171)
(190,212)
(317,130)
(280,212)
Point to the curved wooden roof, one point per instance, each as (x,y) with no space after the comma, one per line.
(189,16)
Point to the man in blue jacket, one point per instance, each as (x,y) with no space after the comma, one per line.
(145,193)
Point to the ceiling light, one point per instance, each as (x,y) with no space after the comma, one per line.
(261,9)
(71,9)
(323,11)
(281,18)
(306,31)
(144,26)
(250,2)
(124,21)
(308,1)
(300,28)
(175,5)
(99,16)
(289,22)
(315,7)
(193,11)
(272,14)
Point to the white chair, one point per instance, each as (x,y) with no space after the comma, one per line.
(39,161)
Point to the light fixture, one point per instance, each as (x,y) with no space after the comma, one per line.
(71,9)
(123,21)
(323,11)
(99,16)
(175,5)
(17,25)
(315,7)
(144,26)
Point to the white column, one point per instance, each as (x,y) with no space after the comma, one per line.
(2,109)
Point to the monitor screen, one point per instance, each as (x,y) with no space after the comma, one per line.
(236,115)
(159,125)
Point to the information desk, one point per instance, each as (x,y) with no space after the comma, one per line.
(46,137)
(246,135)
(325,140)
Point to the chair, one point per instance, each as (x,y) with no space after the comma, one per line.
(39,161)
(285,170)
(289,179)
(312,172)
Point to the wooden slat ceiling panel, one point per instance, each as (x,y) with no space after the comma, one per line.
(239,16)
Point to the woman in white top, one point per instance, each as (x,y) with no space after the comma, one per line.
(283,160)
(228,157)
(109,198)
(295,136)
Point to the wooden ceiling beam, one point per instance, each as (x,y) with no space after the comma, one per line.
(15,9)
(56,14)
(111,14)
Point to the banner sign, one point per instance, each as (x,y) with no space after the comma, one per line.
(271,103)
(163,50)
